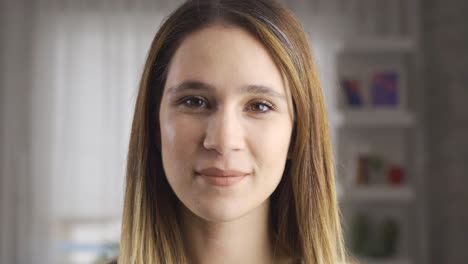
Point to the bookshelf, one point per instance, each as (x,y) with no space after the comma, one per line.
(372,125)
(365,42)
(373,122)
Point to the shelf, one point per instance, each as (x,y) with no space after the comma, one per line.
(379,44)
(378,194)
(373,118)
(384,261)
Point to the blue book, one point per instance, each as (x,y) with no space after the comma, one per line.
(384,88)
(352,90)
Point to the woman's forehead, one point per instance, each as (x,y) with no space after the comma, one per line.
(223,55)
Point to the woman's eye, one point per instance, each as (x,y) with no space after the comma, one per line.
(194,102)
(261,107)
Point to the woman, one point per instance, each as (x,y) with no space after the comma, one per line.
(229,158)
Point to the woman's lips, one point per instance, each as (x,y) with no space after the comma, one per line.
(220,177)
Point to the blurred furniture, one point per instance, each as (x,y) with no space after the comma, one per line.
(376,122)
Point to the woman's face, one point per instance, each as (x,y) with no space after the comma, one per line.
(225,123)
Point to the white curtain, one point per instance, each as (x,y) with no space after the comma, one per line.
(94,53)
(81,66)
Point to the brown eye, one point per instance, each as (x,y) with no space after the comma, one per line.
(260,107)
(194,102)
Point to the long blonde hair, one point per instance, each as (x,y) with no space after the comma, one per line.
(304,209)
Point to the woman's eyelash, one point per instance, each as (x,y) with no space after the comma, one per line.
(269,106)
(197,102)
(194,102)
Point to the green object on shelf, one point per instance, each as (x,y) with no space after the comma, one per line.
(390,233)
(376,163)
(376,169)
(385,244)
(360,234)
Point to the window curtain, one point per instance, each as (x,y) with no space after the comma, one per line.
(70,77)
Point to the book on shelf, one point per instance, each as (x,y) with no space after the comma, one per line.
(384,88)
(381,89)
(353,90)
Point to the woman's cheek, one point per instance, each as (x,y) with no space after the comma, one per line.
(275,136)
(187,140)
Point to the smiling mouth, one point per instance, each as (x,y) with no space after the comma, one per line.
(222,181)
(217,172)
(221,178)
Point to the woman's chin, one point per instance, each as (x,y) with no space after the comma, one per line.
(222,211)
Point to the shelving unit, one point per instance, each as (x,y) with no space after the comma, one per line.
(383,131)
(381,128)
(372,130)
(352,40)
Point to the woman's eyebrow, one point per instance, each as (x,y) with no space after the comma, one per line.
(264,90)
(251,89)
(189,85)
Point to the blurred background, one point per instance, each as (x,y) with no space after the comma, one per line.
(394,73)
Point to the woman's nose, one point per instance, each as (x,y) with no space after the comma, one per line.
(224,132)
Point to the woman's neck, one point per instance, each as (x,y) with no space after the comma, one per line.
(247,239)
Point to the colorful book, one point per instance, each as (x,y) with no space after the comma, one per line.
(384,88)
(352,89)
